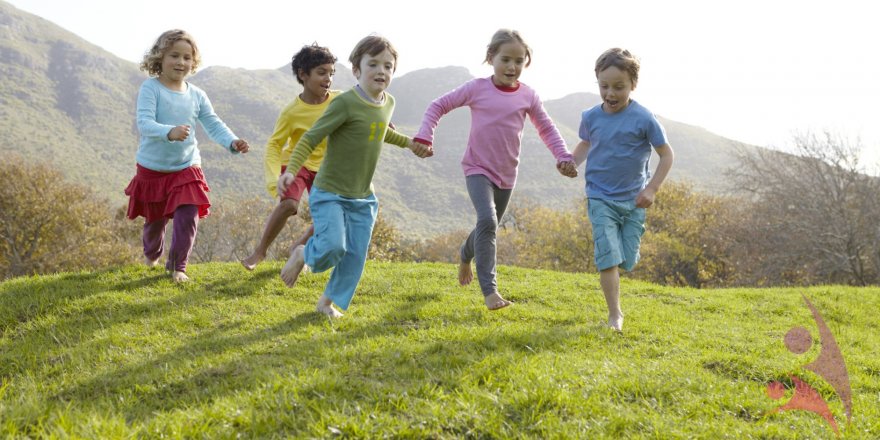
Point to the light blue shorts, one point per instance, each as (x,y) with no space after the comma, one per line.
(617,232)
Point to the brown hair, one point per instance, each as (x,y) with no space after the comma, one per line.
(503,36)
(152,63)
(371,45)
(620,58)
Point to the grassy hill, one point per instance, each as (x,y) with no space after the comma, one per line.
(123,353)
(67,101)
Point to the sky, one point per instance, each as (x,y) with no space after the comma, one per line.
(754,71)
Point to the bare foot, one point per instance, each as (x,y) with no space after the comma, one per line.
(325,306)
(495,301)
(179,277)
(465,274)
(291,270)
(151,263)
(251,262)
(616,322)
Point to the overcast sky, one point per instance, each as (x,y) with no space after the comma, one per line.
(753,71)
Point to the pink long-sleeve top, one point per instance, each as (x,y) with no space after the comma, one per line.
(497,120)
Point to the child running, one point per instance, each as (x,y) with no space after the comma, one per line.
(169,182)
(616,140)
(313,67)
(342,201)
(499,105)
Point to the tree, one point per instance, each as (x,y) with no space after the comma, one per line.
(48,224)
(816,212)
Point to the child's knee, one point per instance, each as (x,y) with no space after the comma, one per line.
(607,246)
(327,248)
(488,223)
(288,207)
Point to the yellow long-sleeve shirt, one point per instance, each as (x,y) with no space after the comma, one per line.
(292,123)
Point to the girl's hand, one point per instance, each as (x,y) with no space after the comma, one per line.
(284,181)
(567,169)
(179,133)
(241,145)
(421,150)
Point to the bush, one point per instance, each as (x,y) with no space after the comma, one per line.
(687,239)
(48,224)
(235,226)
(543,238)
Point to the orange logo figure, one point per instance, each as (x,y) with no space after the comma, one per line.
(829,365)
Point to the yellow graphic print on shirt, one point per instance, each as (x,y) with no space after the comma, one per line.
(381,126)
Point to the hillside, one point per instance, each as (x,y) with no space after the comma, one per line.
(67,101)
(125,353)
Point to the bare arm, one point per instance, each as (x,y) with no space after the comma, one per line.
(580,152)
(645,198)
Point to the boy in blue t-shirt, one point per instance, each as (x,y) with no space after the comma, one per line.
(616,140)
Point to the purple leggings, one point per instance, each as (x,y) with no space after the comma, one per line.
(183,235)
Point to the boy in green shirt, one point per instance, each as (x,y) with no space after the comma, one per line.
(342,202)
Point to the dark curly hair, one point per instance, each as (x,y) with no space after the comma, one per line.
(310,57)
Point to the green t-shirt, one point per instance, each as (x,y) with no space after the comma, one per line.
(355,130)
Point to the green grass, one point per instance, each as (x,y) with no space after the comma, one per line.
(124,353)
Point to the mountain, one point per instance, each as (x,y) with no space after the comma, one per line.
(72,103)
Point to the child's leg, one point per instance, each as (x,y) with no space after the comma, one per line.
(185,226)
(304,237)
(325,306)
(295,263)
(360,216)
(607,218)
(154,240)
(610,281)
(276,222)
(327,247)
(489,202)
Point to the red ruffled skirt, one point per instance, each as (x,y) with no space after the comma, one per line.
(154,195)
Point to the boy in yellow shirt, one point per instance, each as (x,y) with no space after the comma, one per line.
(313,67)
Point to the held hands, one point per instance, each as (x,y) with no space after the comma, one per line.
(567,168)
(645,198)
(179,133)
(241,145)
(284,181)
(421,150)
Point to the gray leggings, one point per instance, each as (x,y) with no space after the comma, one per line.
(490,202)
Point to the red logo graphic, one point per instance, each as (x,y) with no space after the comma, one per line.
(829,365)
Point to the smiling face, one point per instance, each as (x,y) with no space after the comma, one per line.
(176,64)
(374,73)
(615,85)
(508,63)
(316,83)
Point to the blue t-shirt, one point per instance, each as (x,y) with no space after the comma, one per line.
(159,109)
(620,146)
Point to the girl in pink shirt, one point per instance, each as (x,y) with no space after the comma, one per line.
(499,105)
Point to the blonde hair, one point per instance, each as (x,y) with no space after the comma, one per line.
(152,62)
(371,45)
(620,58)
(503,36)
